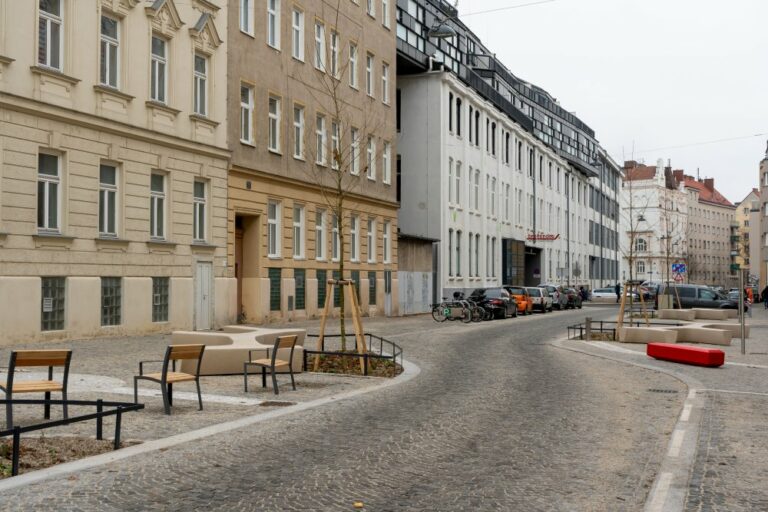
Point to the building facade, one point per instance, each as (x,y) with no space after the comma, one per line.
(763,260)
(747,216)
(113,168)
(320,121)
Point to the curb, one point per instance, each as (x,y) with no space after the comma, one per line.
(670,487)
(410,371)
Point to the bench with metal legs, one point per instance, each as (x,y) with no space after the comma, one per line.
(168,376)
(272,363)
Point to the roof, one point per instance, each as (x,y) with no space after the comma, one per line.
(639,172)
(707,195)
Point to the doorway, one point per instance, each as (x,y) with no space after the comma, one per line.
(247,266)
(203,293)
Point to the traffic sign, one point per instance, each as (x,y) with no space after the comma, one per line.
(678,278)
(678,268)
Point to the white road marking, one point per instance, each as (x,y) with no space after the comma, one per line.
(676,443)
(686,414)
(660,494)
(734,392)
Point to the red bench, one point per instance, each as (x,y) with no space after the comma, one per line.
(698,356)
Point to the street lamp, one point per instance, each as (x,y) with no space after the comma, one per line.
(440,29)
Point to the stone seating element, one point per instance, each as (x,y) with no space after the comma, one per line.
(687,315)
(711,314)
(733,328)
(697,333)
(226,350)
(646,335)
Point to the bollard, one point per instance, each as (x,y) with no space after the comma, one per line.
(588,328)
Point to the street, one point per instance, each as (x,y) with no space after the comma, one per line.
(498,419)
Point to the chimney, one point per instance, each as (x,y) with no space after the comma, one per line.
(679,175)
(630,164)
(710,184)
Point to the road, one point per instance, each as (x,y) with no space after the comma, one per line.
(498,419)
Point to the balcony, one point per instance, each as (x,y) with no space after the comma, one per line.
(735,238)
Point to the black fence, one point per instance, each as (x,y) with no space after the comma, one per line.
(387,350)
(578,331)
(99,415)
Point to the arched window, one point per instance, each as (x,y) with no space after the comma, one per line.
(641,245)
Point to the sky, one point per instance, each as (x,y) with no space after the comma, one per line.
(653,75)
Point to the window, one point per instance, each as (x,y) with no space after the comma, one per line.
(320,235)
(493,257)
(476,190)
(334,54)
(458,183)
(201,85)
(371,7)
(274,124)
(246,114)
(157,206)
(450,252)
(371,159)
(320,139)
(110,52)
(507,204)
(199,223)
(450,112)
(641,245)
(298,232)
(297,31)
(470,239)
(160,288)
(385,13)
(273,23)
(471,138)
(371,234)
(458,117)
(519,156)
(322,282)
(107,200)
(477,128)
(300,280)
(319,46)
(450,181)
(275,292)
(273,229)
(506,148)
(385,83)
(335,147)
(52,304)
(111,300)
(487,256)
(353,65)
(354,238)
(640,267)
(49,45)
(371,288)
(354,152)
(48,192)
(493,197)
(158,80)
(246,16)
(458,253)
(386,242)
(369,74)
(336,240)
(493,139)
(477,255)
(298,131)
(386,163)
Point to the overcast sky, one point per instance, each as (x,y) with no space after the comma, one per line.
(648,73)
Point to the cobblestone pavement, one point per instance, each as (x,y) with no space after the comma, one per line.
(497,420)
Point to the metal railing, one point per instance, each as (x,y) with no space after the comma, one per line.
(392,352)
(578,331)
(99,415)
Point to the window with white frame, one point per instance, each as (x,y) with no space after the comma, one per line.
(246,16)
(335,145)
(49,39)
(354,152)
(298,231)
(371,158)
(458,183)
(274,124)
(507,203)
(320,139)
(200,211)
(386,163)
(386,242)
(319,46)
(354,238)
(298,131)
(334,54)
(371,239)
(335,239)
(450,252)
(493,257)
(107,200)
(159,70)
(385,83)
(273,23)
(109,65)
(640,267)
(369,74)
(487,256)
(297,34)
(353,65)
(157,206)
(273,229)
(48,192)
(385,13)
(450,181)
(477,255)
(371,7)
(320,235)
(458,253)
(470,241)
(246,114)
(493,197)
(201,85)
(476,191)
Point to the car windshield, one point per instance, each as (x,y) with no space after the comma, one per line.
(534,292)
(480,292)
(516,291)
(493,293)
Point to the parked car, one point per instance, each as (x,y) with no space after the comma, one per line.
(573,299)
(733,295)
(686,296)
(540,298)
(557,296)
(520,294)
(496,300)
(610,293)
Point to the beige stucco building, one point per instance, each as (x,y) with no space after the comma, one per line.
(113,168)
(305,81)
(747,240)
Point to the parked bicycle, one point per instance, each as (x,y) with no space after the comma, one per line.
(456,309)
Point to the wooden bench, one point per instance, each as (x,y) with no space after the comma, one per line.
(272,363)
(168,376)
(709,357)
(37,358)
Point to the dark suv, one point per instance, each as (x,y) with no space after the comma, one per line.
(686,296)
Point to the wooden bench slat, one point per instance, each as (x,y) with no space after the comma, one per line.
(35,386)
(41,357)
(268,362)
(172,376)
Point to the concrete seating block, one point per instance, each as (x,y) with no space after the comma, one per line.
(733,328)
(687,315)
(646,335)
(711,314)
(699,334)
(709,357)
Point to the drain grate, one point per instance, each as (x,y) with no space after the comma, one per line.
(663,391)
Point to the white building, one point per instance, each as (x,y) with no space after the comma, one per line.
(501,205)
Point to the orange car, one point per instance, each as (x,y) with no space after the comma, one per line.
(524,302)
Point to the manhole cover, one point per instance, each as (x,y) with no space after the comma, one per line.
(663,390)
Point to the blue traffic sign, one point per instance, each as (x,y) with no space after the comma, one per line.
(678,268)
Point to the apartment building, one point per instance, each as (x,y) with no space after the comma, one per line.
(113,168)
(763,260)
(747,237)
(311,113)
